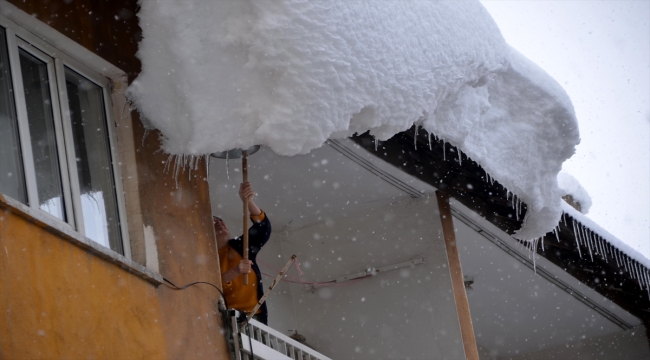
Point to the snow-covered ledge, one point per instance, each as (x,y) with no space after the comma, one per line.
(291,74)
(65,232)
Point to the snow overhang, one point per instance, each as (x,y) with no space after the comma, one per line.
(291,74)
(573,193)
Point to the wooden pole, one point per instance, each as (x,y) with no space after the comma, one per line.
(244,168)
(266,294)
(457,282)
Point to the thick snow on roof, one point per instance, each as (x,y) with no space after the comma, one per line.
(570,186)
(289,74)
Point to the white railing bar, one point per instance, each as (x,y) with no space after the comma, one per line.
(287,339)
(260,350)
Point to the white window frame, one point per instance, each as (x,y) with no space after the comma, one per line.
(57,60)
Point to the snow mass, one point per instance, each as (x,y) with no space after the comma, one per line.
(570,186)
(289,74)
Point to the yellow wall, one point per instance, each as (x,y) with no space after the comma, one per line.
(87,307)
(58,301)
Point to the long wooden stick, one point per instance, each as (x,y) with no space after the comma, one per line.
(244,168)
(266,294)
(457,283)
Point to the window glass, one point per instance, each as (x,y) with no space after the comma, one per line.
(12,178)
(43,138)
(97,188)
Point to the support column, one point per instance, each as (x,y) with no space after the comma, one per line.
(457,282)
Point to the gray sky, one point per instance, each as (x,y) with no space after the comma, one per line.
(599,51)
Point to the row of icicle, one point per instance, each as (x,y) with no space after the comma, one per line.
(598,246)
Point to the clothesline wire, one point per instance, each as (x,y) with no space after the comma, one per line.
(293,280)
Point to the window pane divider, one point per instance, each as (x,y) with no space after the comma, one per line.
(117,172)
(69,146)
(60,143)
(23,123)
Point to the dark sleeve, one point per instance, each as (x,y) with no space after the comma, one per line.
(258,235)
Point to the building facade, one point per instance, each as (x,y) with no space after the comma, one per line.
(97,225)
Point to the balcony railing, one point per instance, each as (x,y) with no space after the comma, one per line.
(269,344)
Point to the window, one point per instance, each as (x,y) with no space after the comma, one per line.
(56,145)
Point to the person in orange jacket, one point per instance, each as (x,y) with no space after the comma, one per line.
(239,296)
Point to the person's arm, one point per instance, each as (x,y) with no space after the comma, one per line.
(246,192)
(244,267)
(260,231)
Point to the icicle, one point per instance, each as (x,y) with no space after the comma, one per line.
(638,267)
(601,246)
(460,156)
(177,167)
(585,234)
(640,271)
(518,209)
(556,231)
(415,139)
(190,166)
(564,218)
(620,259)
(228,166)
(629,266)
(512,201)
(605,247)
(584,238)
(542,242)
(635,266)
(581,231)
(534,244)
(429,135)
(444,154)
(610,248)
(575,235)
(376,144)
(618,263)
(596,243)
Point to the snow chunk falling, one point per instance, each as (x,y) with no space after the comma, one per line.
(570,186)
(289,74)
